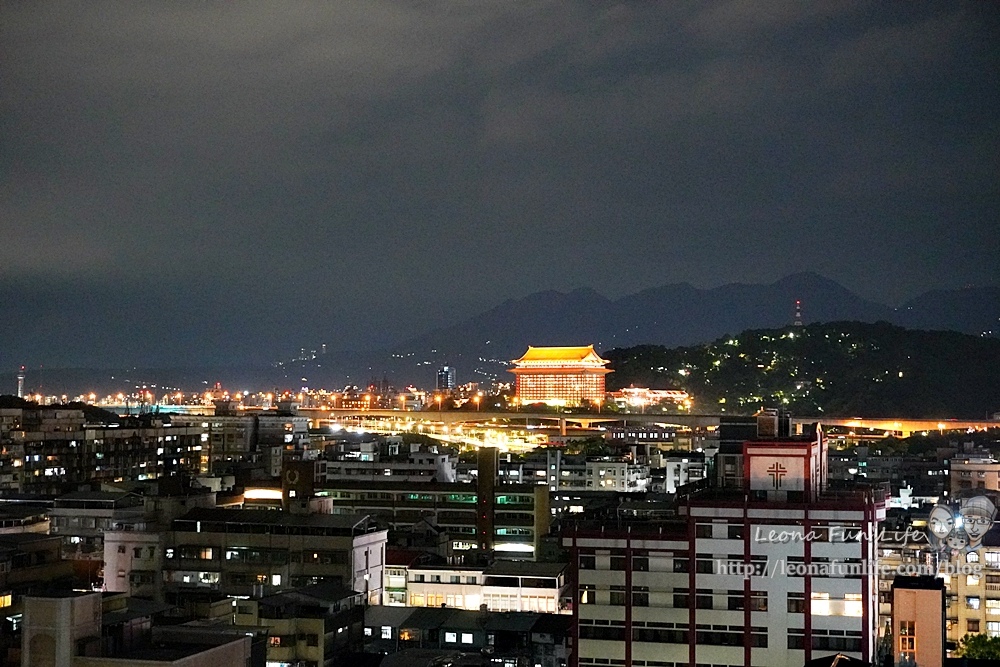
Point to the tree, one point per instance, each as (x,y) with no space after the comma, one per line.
(979,647)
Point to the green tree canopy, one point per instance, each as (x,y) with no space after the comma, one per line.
(979,647)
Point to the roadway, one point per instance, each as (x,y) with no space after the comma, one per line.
(586,420)
(904,427)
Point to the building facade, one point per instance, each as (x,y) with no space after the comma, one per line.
(54,451)
(563,376)
(503,586)
(240,552)
(776,572)
(918,608)
(520,513)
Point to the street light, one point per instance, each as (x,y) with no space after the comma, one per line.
(437,399)
(476,399)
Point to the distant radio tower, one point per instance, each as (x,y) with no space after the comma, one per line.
(20,383)
(798,313)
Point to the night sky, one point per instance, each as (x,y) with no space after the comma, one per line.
(189,183)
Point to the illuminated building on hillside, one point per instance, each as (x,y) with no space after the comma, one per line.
(642,397)
(560,376)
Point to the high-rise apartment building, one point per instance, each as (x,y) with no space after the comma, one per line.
(446,379)
(777,571)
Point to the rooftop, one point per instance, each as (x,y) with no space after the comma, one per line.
(526,569)
(555,354)
(321,594)
(10,512)
(253,517)
(134,608)
(18,540)
(923,582)
(166,652)
(422,487)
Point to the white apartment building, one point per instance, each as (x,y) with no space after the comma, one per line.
(416,465)
(775,573)
(680,469)
(504,586)
(616,474)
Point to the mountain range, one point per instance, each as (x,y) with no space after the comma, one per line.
(672,315)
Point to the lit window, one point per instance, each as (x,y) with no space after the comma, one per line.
(907,641)
(386,632)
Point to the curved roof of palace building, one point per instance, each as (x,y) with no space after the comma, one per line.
(577,353)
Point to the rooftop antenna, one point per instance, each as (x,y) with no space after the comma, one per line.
(798,313)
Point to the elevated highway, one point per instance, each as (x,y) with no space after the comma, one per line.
(906,427)
(448,417)
(888,425)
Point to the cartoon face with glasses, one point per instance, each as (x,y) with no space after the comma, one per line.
(977,518)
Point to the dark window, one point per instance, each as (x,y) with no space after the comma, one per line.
(659,635)
(617,598)
(852,644)
(716,638)
(702,566)
(602,632)
(587,563)
(618,562)
(703,601)
(703,530)
(681,601)
(735,532)
(640,564)
(682,565)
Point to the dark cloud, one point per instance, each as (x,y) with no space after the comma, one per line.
(276,173)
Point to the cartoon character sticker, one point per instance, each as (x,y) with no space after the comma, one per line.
(957,540)
(964,531)
(977,518)
(941,521)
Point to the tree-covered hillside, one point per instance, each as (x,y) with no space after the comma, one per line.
(842,369)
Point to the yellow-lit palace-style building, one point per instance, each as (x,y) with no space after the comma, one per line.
(560,376)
